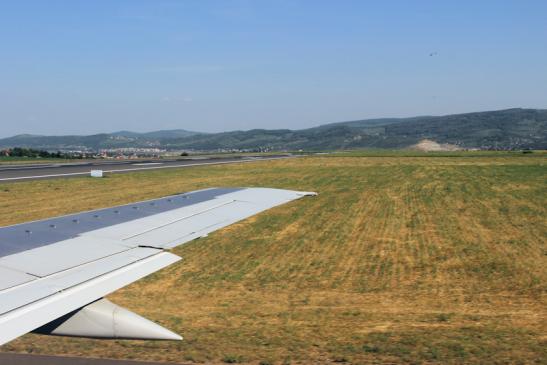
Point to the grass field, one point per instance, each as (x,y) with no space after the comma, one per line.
(398,260)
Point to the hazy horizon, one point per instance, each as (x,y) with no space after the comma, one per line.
(230,130)
(80,68)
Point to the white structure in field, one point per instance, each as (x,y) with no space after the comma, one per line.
(96,173)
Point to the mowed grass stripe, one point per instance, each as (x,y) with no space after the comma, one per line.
(398,260)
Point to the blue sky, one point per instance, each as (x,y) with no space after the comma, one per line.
(79,67)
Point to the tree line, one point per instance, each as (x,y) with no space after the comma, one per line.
(32,153)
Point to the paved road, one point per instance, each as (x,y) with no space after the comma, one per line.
(25,359)
(44,171)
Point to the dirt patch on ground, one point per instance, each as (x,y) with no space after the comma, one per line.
(428,145)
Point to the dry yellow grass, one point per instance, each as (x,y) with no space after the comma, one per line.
(398,260)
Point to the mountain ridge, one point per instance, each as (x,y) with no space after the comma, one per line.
(514,128)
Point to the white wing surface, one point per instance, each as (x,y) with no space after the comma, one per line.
(51,269)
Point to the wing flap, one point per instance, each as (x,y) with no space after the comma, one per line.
(47,260)
(10,278)
(32,291)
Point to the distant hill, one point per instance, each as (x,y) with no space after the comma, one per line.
(119,139)
(162,134)
(502,129)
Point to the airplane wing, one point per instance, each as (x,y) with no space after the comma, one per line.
(54,272)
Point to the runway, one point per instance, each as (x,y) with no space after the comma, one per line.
(12,173)
(27,359)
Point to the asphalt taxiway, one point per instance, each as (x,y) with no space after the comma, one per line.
(29,359)
(44,171)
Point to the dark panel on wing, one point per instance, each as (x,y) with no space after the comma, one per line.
(22,237)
